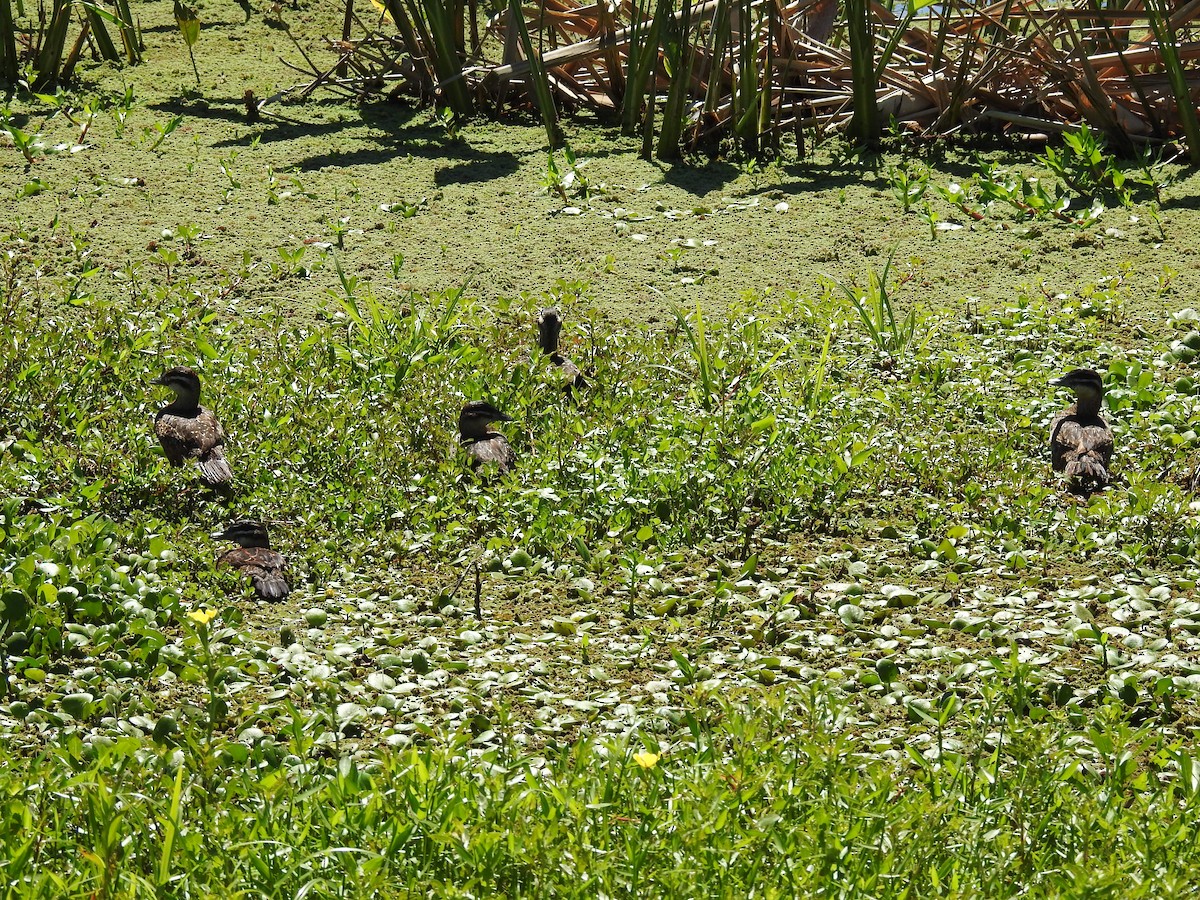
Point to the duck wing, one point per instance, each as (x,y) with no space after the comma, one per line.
(569,373)
(267,570)
(492,450)
(1081,448)
(197,436)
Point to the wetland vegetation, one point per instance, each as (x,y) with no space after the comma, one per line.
(787,604)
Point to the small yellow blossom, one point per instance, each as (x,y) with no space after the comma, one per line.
(646,760)
(202,616)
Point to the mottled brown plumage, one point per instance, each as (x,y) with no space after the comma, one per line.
(483,444)
(549,328)
(187,430)
(254,557)
(1081,443)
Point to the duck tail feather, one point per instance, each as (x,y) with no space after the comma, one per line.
(214,468)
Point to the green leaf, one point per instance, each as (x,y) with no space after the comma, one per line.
(109,17)
(850,614)
(748,568)
(763,424)
(887,671)
(861,456)
(188,22)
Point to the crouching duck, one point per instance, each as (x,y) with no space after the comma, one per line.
(1081,443)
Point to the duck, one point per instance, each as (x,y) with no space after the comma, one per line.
(549,322)
(484,444)
(1081,443)
(254,557)
(187,430)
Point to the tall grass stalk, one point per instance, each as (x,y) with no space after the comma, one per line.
(50,66)
(746,80)
(49,59)
(718,51)
(8,47)
(96,17)
(677,61)
(707,363)
(1166,37)
(128,30)
(864,126)
(766,86)
(432,33)
(642,58)
(414,36)
(813,386)
(539,79)
(874,308)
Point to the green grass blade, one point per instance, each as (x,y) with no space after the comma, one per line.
(8,46)
(442,46)
(129,37)
(170,826)
(1164,33)
(49,60)
(864,126)
(539,80)
(677,58)
(643,61)
(96,17)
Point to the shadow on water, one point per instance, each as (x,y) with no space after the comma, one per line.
(397,129)
(172,28)
(167,501)
(485,167)
(700,180)
(467,165)
(1191,201)
(223,109)
(798,177)
(394,130)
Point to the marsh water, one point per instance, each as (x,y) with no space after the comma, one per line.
(405,205)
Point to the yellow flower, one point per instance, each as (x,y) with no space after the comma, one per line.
(646,760)
(202,616)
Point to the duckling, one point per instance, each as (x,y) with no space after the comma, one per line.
(485,445)
(1081,443)
(549,323)
(254,557)
(187,430)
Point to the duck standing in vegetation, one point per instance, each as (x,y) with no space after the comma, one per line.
(1081,443)
(485,445)
(254,557)
(187,430)
(549,323)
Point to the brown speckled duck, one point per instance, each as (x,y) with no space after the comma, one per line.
(1081,443)
(187,430)
(549,323)
(483,444)
(254,557)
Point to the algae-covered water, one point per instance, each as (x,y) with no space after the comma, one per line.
(257,213)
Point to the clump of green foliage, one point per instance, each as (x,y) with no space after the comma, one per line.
(775,591)
(1085,180)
